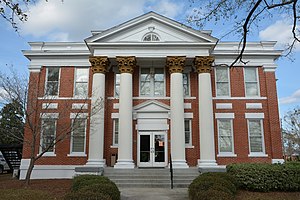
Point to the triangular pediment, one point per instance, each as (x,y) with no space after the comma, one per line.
(167,30)
(151,106)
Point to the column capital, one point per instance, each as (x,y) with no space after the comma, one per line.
(175,64)
(203,64)
(126,64)
(99,64)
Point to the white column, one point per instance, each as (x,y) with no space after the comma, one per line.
(206,123)
(176,66)
(125,161)
(96,137)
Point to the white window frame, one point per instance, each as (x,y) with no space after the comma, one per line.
(190,144)
(257,81)
(216,82)
(48,116)
(189,84)
(256,154)
(226,154)
(114,132)
(71,141)
(75,81)
(115,84)
(152,68)
(46,81)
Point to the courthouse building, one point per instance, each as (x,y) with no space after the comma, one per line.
(148,89)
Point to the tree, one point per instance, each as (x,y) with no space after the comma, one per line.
(291,132)
(18,95)
(11,123)
(246,15)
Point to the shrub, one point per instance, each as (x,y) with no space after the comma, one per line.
(87,195)
(108,189)
(23,194)
(84,180)
(267,177)
(215,183)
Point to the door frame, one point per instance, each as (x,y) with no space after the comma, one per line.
(153,163)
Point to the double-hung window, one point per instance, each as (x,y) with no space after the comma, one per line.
(188,132)
(81,82)
(225,137)
(115,132)
(186,84)
(117,84)
(251,81)
(48,134)
(256,139)
(78,135)
(52,81)
(222,81)
(152,81)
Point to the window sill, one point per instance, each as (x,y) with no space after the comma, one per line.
(189,146)
(114,146)
(258,155)
(77,155)
(226,155)
(48,154)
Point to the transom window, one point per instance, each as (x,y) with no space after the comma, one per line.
(151,37)
(52,81)
(81,82)
(251,81)
(152,81)
(222,81)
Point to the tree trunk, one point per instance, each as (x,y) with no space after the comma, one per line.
(29,171)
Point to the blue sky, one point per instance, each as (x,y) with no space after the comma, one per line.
(73,21)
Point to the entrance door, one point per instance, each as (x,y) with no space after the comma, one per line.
(152,149)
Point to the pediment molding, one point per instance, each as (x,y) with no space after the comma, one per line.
(151,106)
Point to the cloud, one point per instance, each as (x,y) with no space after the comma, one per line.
(294,98)
(280,31)
(70,20)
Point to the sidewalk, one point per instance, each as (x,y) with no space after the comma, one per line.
(154,194)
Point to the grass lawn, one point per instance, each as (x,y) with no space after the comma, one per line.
(13,189)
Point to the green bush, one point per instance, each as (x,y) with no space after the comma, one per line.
(23,194)
(215,183)
(95,186)
(87,195)
(267,177)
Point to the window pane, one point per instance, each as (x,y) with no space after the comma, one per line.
(225,144)
(116,132)
(251,89)
(225,135)
(52,88)
(222,81)
(48,134)
(256,144)
(222,74)
(145,88)
(53,74)
(78,137)
(82,75)
(222,89)
(255,135)
(187,128)
(159,89)
(186,91)
(117,84)
(81,89)
(250,74)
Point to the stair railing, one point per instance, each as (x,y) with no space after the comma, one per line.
(171,171)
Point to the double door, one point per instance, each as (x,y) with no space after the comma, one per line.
(152,149)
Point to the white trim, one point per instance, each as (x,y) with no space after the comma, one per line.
(253,105)
(78,115)
(62,98)
(82,153)
(49,105)
(278,161)
(226,154)
(188,115)
(77,154)
(228,78)
(241,98)
(269,67)
(168,98)
(48,154)
(80,106)
(46,80)
(187,106)
(223,105)
(263,155)
(254,115)
(49,115)
(114,115)
(257,81)
(257,154)
(224,115)
(116,106)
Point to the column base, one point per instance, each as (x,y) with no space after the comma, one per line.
(205,163)
(179,164)
(96,163)
(124,164)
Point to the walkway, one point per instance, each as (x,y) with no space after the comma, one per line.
(154,194)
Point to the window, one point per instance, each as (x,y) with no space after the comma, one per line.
(222,81)
(48,134)
(188,132)
(116,132)
(81,82)
(186,84)
(255,130)
(52,81)
(152,82)
(251,81)
(151,37)
(225,135)
(78,135)
(117,84)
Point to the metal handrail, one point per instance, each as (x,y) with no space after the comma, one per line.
(171,171)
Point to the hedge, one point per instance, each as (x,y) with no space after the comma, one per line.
(266,177)
(210,186)
(93,187)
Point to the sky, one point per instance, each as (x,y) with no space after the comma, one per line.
(72,20)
